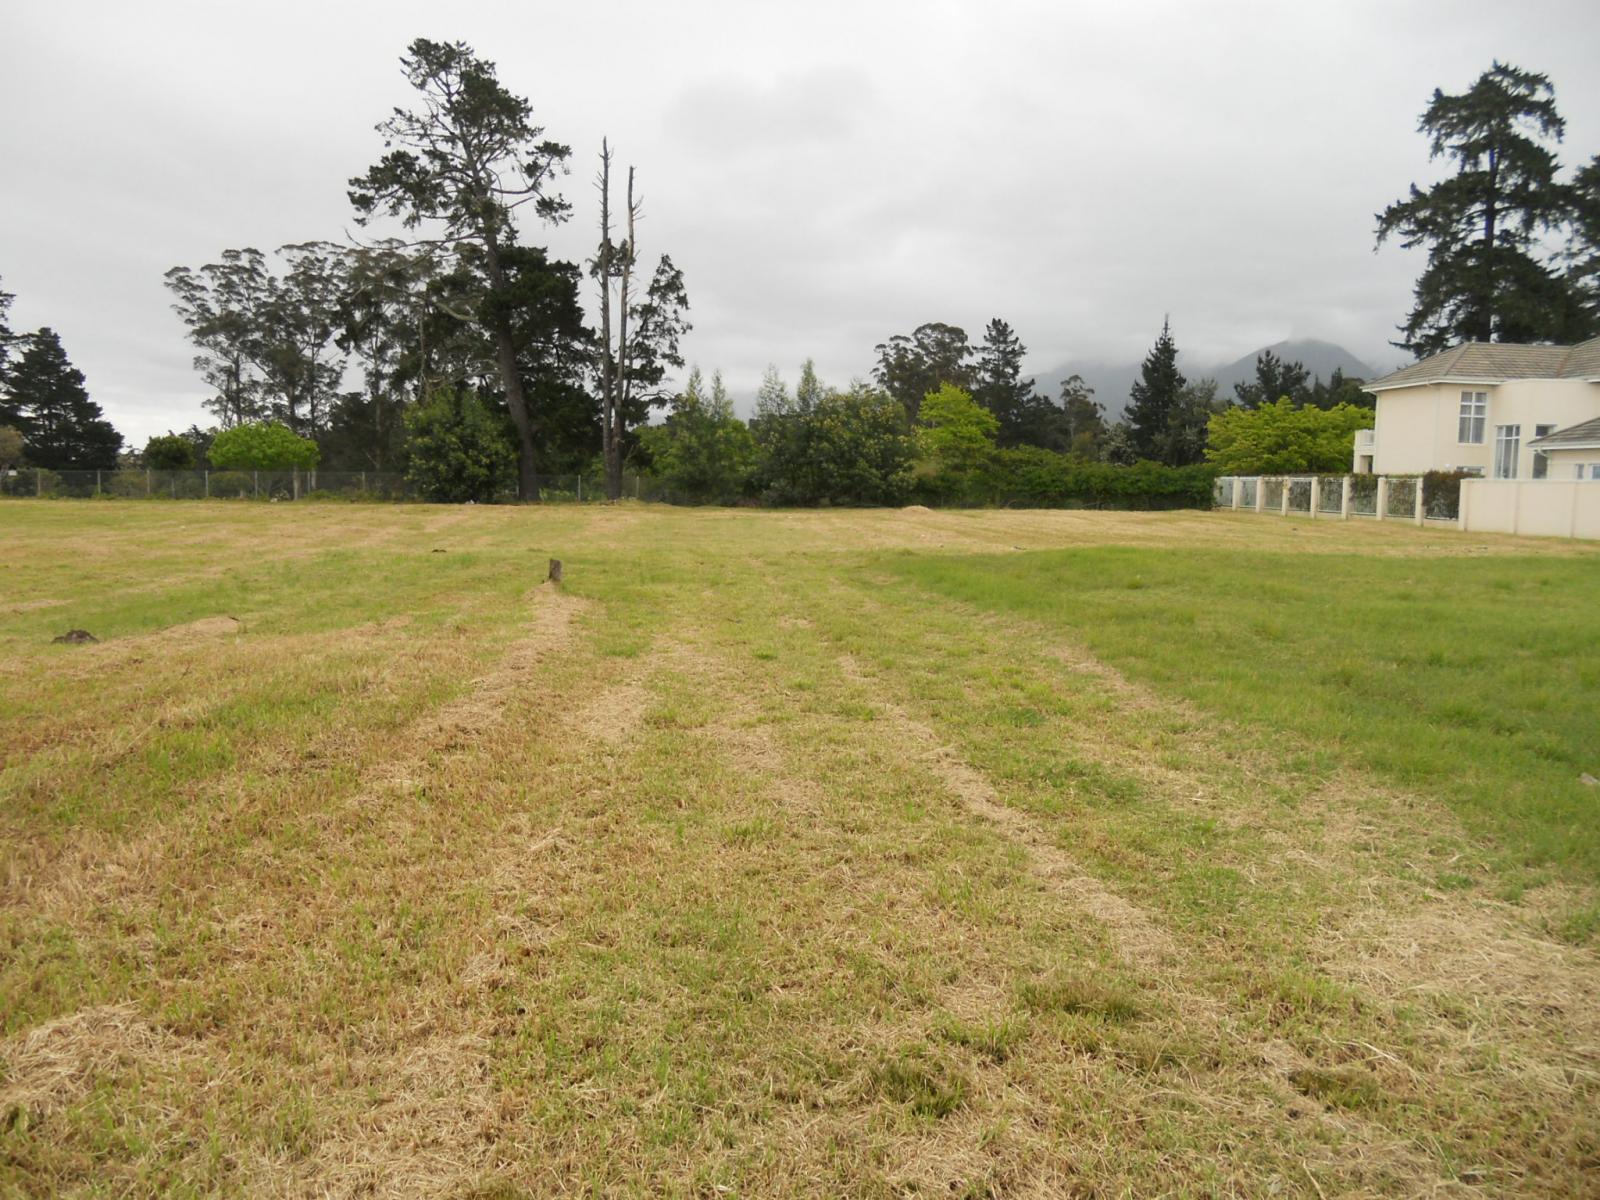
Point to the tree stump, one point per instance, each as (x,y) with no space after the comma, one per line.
(555,570)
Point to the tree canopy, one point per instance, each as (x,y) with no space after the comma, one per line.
(1487,278)
(463,162)
(1281,438)
(262,446)
(62,428)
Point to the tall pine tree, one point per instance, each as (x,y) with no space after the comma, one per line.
(1485,280)
(1584,250)
(1154,398)
(62,428)
(998,384)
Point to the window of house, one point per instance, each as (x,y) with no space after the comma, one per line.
(1541,460)
(1507,442)
(1474,407)
(1474,472)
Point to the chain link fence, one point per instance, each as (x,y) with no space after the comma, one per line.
(281,485)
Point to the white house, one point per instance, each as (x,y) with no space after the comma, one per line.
(1492,409)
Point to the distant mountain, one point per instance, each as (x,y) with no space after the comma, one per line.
(1320,359)
(1112,381)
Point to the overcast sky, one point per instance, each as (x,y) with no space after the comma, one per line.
(825,174)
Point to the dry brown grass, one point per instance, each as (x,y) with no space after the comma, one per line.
(710,876)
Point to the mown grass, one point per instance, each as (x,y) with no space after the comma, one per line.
(681,880)
(1473,679)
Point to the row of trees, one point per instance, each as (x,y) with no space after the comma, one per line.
(46,416)
(459,304)
(863,445)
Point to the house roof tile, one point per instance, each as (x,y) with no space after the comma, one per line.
(1490,361)
(1583,434)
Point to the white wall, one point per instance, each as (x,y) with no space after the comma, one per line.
(1417,427)
(1541,507)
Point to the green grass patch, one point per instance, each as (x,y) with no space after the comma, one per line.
(1472,680)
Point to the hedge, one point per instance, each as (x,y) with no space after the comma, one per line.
(1035,478)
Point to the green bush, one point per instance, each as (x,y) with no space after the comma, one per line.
(1441,494)
(1280,439)
(263,446)
(457,450)
(169,453)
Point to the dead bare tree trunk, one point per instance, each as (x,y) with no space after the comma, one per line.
(608,396)
(616,383)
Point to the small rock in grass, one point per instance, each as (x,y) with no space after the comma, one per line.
(1584,778)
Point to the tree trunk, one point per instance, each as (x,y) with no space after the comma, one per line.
(611,451)
(511,381)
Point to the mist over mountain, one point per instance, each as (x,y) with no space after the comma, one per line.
(1112,381)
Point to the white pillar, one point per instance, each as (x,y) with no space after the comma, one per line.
(1236,493)
(1421,512)
(1261,493)
(1383,496)
(1316,495)
(1344,498)
(1283,506)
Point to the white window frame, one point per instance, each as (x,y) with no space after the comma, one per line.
(1541,460)
(1507,447)
(1473,415)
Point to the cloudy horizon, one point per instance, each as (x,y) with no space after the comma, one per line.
(825,175)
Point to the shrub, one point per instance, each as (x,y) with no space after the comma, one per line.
(702,451)
(457,449)
(1044,479)
(169,453)
(1280,439)
(263,446)
(1441,494)
(850,447)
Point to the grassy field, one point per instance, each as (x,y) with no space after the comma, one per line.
(793,854)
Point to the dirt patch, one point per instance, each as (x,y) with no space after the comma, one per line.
(205,627)
(916,508)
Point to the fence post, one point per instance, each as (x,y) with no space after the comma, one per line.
(1383,497)
(1284,506)
(255,484)
(147,483)
(1261,494)
(580,489)
(1236,493)
(97,481)
(207,474)
(1316,495)
(172,481)
(294,483)
(1344,498)
(1420,511)
(363,482)
(38,482)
